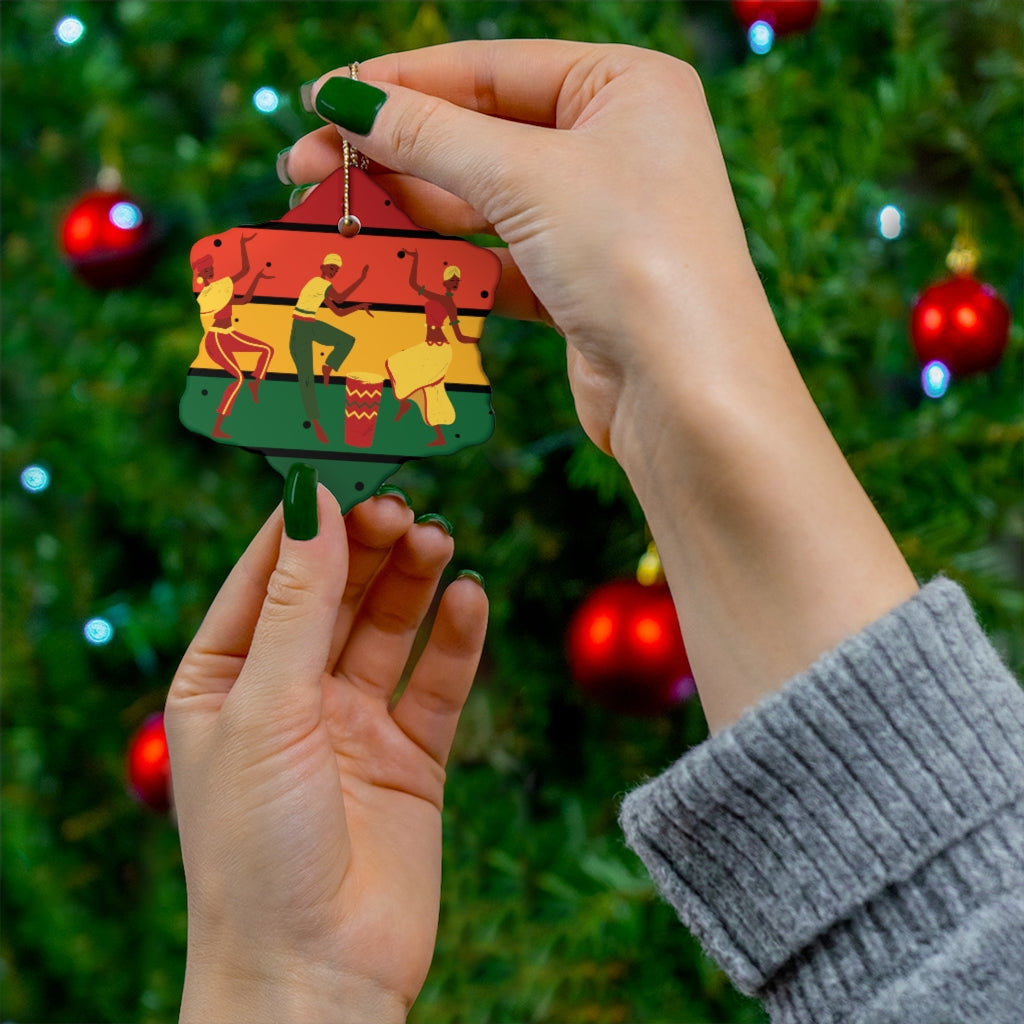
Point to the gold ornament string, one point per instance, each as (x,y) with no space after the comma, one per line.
(351,157)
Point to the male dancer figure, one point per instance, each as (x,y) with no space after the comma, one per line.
(307,329)
(222,341)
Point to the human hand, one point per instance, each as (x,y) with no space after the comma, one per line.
(621,226)
(309,808)
(600,167)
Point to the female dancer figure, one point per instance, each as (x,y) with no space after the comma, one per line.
(417,373)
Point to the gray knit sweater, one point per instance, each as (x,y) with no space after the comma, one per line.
(852,850)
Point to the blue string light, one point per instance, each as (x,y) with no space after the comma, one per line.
(266,100)
(935,378)
(35,479)
(761,37)
(69,31)
(98,631)
(125,216)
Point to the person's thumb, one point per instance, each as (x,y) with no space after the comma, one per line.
(469,154)
(281,681)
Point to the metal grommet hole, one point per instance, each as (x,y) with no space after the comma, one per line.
(349,226)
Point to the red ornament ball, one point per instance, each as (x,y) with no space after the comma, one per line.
(626,651)
(962,323)
(149,766)
(784,16)
(107,239)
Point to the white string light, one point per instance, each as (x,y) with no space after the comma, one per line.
(890,222)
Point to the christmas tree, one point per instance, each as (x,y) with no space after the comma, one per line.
(859,149)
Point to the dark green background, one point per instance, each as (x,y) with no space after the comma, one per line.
(546,916)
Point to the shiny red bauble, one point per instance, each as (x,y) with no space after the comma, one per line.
(626,651)
(107,239)
(149,766)
(784,16)
(962,323)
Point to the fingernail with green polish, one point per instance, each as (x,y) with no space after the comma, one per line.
(300,193)
(386,489)
(472,574)
(353,105)
(300,516)
(306,95)
(436,519)
(282,166)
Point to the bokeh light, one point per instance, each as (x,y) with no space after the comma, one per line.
(761,37)
(266,100)
(890,222)
(69,31)
(35,479)
(935,379)
(98,631)
(125,215)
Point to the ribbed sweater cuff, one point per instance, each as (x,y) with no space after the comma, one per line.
(890,776)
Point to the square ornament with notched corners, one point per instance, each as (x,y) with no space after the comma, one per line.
(352,354)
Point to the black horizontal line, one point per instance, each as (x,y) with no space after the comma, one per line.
(347,456)
(204,371)
(383,307)
(332,229)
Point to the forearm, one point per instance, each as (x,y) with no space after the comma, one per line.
(250,291)
(244,269)
(773,551)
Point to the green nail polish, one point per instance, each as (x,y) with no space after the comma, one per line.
(300,193)
(306,95)
(386,489)
(281,165)
(300,516)
(437,520)
(351,104)
(472,574)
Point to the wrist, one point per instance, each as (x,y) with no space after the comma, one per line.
(285,990)
(707,356)
(772,549)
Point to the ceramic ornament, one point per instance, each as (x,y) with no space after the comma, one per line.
(350,352)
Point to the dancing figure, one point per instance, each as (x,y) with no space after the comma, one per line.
(222,341)
(418,373)
(307,329)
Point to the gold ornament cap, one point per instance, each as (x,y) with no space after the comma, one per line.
(963,257)
(649,570)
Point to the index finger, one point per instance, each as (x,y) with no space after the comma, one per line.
(520,80)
